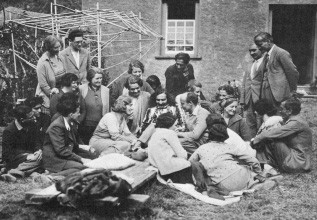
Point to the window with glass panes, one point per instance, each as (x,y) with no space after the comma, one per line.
(180,27)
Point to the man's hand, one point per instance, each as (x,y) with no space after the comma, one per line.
(54,91)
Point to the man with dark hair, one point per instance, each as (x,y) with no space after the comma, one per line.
(280,75)
(75,58)
(21,154)
(195,133)
(42,121)
(178,75)
(164,104)
(224,92)
(289,147)
(251,87)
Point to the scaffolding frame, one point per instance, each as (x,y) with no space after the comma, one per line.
(58,24)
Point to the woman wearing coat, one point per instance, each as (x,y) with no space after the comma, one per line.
(50,69)
(96,99)
(62,152)
(234,121)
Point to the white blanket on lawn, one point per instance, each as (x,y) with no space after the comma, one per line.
(190,190)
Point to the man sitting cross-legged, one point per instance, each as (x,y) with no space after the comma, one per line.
(21,150)
(195,133)
(289,147)
(164,104)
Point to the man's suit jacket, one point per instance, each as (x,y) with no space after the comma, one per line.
(251,87)
(71,66)
(60,146)
(282,74)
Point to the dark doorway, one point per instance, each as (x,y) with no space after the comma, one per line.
(293,29)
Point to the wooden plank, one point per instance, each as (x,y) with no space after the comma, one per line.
(41,196)
(139,174)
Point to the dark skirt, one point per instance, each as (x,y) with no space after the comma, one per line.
(182,176)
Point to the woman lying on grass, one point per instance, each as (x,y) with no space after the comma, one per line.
(166,152)
(217,159)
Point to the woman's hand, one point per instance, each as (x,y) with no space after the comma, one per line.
(54,91)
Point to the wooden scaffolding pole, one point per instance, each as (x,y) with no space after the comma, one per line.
(98,36)
(15,67)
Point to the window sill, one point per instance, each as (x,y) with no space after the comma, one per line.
(173,57)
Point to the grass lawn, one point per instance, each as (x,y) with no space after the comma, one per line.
(294,198)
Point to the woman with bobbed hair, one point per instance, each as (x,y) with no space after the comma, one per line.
(218,160)
(136,68)
(63,153)
(50,69)
(96,99)
(112,134)
(166,152)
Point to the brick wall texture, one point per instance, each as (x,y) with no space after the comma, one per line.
(227,28)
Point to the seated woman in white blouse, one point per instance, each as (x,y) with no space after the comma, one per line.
(166,152)
(112,134)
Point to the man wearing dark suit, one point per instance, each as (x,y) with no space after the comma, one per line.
(280,74)
(75,58)
(251,87)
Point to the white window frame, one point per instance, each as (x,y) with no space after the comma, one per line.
(175,32)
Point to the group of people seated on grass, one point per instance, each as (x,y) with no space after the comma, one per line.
(184,133)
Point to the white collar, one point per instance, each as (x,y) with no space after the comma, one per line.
(195,112)
(270,51)
(19,126)
(66,124)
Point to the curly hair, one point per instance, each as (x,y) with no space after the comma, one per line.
(229,89)
(183,56)
(170,100)
(132,80)
(67,79)
(137,64)
(165,120)
(264,106)
(293,104)
(120,105)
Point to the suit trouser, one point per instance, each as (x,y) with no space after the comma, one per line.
(280,156)
(253,121)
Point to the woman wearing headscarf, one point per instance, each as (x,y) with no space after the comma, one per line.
(218,160)
(50,69)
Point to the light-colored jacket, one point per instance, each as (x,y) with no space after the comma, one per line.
(166,152)
(47,75)
(71,66)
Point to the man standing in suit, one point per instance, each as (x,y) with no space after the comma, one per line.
(251,87)
(75,58)
(280,75)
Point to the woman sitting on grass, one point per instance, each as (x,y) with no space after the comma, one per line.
(234,121)
(62,152)
(218,160)
(166,152)
(112,134)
